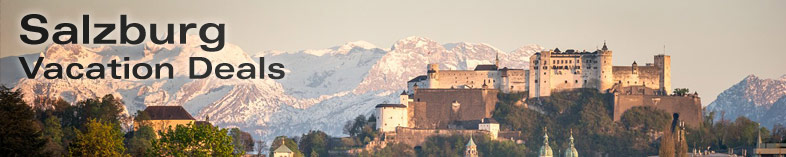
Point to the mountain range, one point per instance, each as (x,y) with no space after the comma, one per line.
(322,88)
(761,100)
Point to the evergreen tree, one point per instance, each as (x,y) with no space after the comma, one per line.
(53,133)
(20,134)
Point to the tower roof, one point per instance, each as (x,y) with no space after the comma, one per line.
(282,149)
(471,142)
(545,150)
(571,151)
(604,46)
(404,93)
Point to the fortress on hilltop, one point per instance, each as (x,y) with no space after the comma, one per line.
(554,70)
(449,102)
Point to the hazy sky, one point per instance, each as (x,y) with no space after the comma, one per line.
(713,43)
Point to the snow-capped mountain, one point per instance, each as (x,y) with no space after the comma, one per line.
(322,88)
(761,100)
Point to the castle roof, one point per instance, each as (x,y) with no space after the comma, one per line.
(485,67)
(604,46)
(489,120)
(391,105)
(168,113)
(557,50)
(404,93)
(418,79)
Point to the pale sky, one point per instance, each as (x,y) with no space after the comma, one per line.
(713,43)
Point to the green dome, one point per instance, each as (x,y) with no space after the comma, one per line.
(545,150)
(571,151)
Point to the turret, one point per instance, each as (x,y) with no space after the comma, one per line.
(605,66)
(433,75)
(404,98)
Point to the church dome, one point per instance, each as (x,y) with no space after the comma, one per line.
(571,151)
(545,150)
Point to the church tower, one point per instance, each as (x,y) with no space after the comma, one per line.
(545,150)
(571,151)
(472,149)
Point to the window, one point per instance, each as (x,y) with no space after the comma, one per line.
(577,81)
(566,81)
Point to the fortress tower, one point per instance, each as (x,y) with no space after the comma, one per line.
(664,62)
(606,74)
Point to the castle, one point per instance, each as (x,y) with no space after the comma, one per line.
(554,70)
(462,101)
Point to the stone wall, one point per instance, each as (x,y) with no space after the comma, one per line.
(416,137)
(435,108)
(688,107)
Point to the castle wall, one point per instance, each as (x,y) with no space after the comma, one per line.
(416,137)
(434,108)
(506,80)
(467,79)
(688,107)
(647,76)
(554,71)
(388,118)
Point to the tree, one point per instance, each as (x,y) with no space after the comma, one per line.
(242,141)
(99,139)
(778,134)
(53,133)
(681,91)
(261,146)
(139,141)
(314,143)
(193,140)
(667,144)
(20,134)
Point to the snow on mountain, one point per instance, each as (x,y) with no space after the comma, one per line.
(322,88)
(761,100)
(408,59)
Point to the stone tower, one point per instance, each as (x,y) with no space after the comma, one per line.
(472,149)
(404,98)
(606,74)
(664,63)
(433,75)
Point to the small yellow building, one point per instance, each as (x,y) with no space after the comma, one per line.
(163,117)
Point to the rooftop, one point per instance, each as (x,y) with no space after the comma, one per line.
(168,113)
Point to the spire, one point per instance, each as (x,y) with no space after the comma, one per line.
(604,46)
(545,150)
(571,151)
(758,140)
(496,63)
(471,142)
